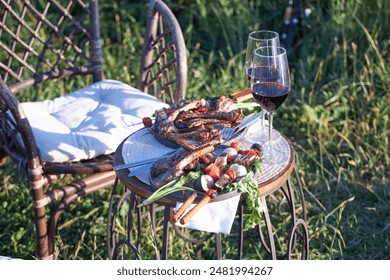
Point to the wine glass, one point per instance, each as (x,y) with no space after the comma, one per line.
(270,85)
(256,39)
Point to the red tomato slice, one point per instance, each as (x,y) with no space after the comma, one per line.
(235,145)
(249,152)
(213,171)
(211,193)
(232,174)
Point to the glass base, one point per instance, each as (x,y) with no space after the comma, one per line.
(258,134)
(273,157)
(275,135)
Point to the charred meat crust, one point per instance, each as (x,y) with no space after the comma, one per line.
(167,170)
(196,123)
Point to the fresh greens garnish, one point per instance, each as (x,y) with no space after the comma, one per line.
(249,186)
(257,164)
(174,186)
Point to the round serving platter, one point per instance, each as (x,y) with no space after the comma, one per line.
(142,145)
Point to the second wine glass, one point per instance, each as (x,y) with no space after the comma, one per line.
(270,85)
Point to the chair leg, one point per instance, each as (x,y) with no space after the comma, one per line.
(36,184)
(89,185)
(43,252)
(54,217)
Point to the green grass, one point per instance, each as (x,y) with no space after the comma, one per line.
(337,117)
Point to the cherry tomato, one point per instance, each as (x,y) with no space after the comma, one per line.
(147,121)
(213,171)
(249,152)
(211,193)
(232,174)
(235,145)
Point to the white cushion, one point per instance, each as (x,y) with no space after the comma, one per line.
(88,122)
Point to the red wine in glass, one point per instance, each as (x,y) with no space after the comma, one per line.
(270,84)
(270,95)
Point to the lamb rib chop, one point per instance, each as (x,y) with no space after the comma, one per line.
(166,170)
(197,121)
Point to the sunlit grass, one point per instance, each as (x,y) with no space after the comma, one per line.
(337,117)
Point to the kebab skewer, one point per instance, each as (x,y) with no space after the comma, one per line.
(206,183)
(176,216)
(241,161)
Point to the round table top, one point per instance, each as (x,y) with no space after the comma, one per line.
(143,145)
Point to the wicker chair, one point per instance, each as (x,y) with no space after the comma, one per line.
(57,40)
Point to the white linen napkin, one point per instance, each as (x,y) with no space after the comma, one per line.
(214,217)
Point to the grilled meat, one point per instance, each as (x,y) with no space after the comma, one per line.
(196,123)
(162,175)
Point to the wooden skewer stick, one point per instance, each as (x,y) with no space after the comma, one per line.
(206,199)
(195,209)
(241,95)
(183,207)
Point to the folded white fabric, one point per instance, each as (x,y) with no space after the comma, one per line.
(214,217)
(88,122)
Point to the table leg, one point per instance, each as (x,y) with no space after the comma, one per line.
(198,241)
(304,236)
(298,223)
(298,227)
(110,222)
(268,225)
(167,215)
(240,230)
(112,246)
(218,241)
(113,211)
(301,195)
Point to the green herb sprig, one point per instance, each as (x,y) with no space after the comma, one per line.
(249,186)
(173,186)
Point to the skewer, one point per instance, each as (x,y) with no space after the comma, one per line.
(241,95)
(209,196)
(176,216)
(246,158)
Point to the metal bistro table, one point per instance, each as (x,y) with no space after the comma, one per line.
(272,180)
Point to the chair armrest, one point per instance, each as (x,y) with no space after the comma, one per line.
(15,131)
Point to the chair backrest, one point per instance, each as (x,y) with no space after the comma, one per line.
(163,70)
(43,40)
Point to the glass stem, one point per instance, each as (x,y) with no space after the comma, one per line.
(262,116)
(270,119)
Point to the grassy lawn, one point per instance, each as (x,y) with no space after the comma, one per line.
(337,117)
